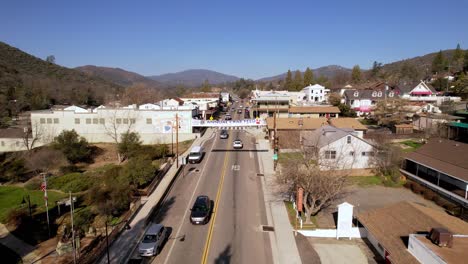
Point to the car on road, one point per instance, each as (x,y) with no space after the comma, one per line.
(237,144)
(201,210)
(153,240)
(239,111)
(224,134)
(228,117)
(195,155)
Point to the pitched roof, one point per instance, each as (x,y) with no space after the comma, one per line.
(347,122)
(392,224)
(294,123)
(315,109)
(376,94)
(326,135)
(443,155)
(11,133)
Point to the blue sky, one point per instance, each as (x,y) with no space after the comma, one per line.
(251,39)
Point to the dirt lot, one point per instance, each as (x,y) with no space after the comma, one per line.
(368,198)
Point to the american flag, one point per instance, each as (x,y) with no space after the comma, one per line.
(44,189)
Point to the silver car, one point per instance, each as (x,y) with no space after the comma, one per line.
(153,240)
(237,144)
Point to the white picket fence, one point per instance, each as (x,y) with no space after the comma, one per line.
(356,232)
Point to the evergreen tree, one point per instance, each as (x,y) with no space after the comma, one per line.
(297,83)
(457,59)
(465,65)
(376,67)
(288,82)
(356,74)
(206,87)
(308,77)
(439,63)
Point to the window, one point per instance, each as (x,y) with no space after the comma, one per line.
(56,120)
(356,94)
(77,121)
(348,139)
(351,153)
(49,120)
(118,120)
(330,154)
(95,121)
(374,94)
(125,120)
(379,94)
(367,153)
(149,121)
(101,121)
(42,120)
(88,121)
(391,94)
(132,120)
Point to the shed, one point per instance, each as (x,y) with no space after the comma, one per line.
(403,129)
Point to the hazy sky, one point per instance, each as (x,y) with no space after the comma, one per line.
(251,39)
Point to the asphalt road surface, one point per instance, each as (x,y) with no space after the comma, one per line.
(234,233)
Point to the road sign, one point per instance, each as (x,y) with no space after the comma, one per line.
(275,156)
(211,118)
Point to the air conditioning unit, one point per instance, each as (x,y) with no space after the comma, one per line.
(441,237)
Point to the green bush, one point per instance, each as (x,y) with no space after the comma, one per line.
(33,184)
(153,152)
(73,182)
(139,171)
(83,217)
(74,147)
(69,169)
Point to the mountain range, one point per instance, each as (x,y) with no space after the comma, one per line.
(194,77)
(118,76)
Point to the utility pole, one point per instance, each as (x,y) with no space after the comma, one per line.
(177,139)
(44,189)
(72,227)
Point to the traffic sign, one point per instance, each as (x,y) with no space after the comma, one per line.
(275,156)
(211,117)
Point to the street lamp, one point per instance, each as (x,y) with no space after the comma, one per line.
(126,227)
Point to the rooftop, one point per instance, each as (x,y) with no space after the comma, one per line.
(314,109)
(392,225)
(295,123)
(449,255)
(347,122)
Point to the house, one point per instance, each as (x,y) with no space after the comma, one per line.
(13,139)
(427,120)
(339,149)
(442,166)
(363,101)
(314,111)
(423,92)
(348,122)
(399,234)
(316,93)
(266,103)
(292,130)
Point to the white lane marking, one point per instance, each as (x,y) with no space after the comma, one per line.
(188,206)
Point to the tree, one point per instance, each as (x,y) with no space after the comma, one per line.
(461,85)
(206,87)
(346,111)
(308,77)
(45,160)
(129,144)
(387,159)
(465,64)
(288,82)
(33,135)
(297,82)
(115,126)
(74,147)
(323,80)
(439,63)
(140,94)
(457,59)
(139,170)
(390,112)
(334,99)
(50,59)
(356,74)
(408,72)
(321,187)
(376,67)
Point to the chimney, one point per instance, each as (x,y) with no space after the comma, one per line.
(441,237)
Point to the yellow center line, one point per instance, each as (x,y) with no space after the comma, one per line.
(206,250)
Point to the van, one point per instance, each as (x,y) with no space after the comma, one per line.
(195,155)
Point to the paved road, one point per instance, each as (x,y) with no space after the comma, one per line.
(234,234)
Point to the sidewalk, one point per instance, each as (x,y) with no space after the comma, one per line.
(23,249)
(122,247)
(283,243)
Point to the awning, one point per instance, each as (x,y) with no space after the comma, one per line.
(422,93)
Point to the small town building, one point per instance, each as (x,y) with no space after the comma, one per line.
(403,129)
(363,101)
(316,93)
(314,111)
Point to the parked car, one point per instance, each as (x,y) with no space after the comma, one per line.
(224,134)
(153,240)
(201,210)
(228,117)
(237,144)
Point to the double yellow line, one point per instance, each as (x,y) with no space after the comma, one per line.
(206,250)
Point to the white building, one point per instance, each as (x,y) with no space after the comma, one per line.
(225,97)
(339,149)
(423,92)
(316,93)
(105,124)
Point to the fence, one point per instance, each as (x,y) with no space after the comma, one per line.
(355,232)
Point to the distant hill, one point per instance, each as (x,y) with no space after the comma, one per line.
(328,71)
(193,78)
(32,83)
(118,76)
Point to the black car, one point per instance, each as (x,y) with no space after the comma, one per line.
(201,210)
(224,134)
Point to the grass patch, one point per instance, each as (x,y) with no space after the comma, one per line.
(12,196)
(285,157)
(292,218)
(365,181)
(72,182)
(411,145)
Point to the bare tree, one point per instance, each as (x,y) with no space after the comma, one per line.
(32,135)
(388,158)
(322,178)
(45,160)
(390,112)
(140,93)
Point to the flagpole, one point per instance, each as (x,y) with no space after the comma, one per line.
(46,203)
(73,229)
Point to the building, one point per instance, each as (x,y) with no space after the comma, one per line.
(104,124)
(207,103)
(363,101)
(442,166)
(266,103)
(13,139)
(291,131)
(313,111)
(339,149)
(348,122)
(316,94)
(423,92)
(225,97)
(399,234)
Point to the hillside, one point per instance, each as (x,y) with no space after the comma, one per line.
(193,78)
(329,72)
(118,76)
(27,82)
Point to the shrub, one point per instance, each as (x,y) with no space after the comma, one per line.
(73,182)
(33,184)
(408,185)
(74,147)
(69,169)
(129,144)
(429,195)
(139,171)
(83,218)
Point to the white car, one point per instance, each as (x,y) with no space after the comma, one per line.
(237,144)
